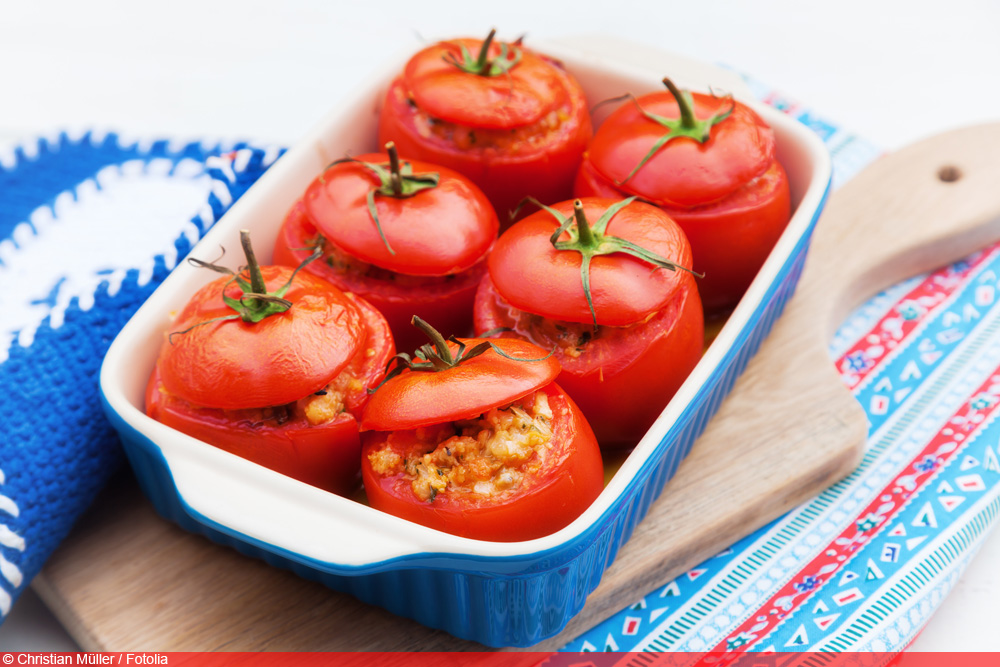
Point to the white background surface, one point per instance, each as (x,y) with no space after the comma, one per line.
(891,71)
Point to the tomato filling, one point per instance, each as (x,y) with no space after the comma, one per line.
(509,141)
(327,404)
(570,339)
(487,457)
(346,392)
(350,266)
(321,407)
(579,346)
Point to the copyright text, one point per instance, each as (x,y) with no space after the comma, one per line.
(83,659)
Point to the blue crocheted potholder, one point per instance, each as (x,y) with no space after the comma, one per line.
(89,226)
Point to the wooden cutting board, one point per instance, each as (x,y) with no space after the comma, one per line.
(126,580)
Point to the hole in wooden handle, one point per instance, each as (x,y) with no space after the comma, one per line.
(949,173)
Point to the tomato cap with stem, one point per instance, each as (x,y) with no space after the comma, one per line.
(255,302)
(481,65)
(688,125)
(447,380)
(395,180)
(235,333)
(436,356)
(592,241)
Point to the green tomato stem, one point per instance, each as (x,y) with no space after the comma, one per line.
(255,302)
(688,119)
(437,356)
(395,179)
(582,226)
(688,125)
(482,63)
(509,56)
(594,241)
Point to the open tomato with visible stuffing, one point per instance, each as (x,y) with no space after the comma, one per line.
(605,283)
(409,237)
(710,163)
(512,120)
(471,437)
(273,365)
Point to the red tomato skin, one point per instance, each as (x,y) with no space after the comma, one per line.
(520,97)
(624,386)
(275,361)
(683,172)
(446,305)
(536,277)
(326,456)
(439,231)
(729,194)
(566,487)
(543,169)
(730,238)
(414,399)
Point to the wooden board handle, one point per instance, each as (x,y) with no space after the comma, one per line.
(911,211)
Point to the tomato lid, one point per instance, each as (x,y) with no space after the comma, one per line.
(521,90)
(471,387)
(231,364)
(440,224)
(683,172)
(536,276)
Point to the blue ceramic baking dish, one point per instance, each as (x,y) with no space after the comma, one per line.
(499,594)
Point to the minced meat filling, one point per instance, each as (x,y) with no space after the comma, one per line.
(484,457)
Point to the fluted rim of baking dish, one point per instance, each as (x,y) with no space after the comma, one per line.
(305,524)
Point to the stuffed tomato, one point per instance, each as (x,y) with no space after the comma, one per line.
(604,283)
(710,163)
(473,438)
(512,120)
(409,237)
(273,365)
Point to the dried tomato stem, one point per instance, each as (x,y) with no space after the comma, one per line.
(395,178)
(436,339)
(253,267)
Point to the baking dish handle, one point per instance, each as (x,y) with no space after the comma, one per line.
(275,512)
